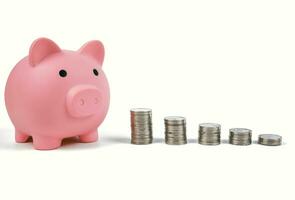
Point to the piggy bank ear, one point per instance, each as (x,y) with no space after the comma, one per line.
(40,49)
(93,49)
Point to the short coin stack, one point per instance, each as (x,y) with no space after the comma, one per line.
(240,136)
(141,126)
(270,139)
(175,130)
(209,133)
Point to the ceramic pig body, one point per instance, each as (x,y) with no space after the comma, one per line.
(53,94)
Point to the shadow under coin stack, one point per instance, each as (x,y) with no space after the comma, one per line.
(141,126)
(240,136)
(209,134)
(175,130)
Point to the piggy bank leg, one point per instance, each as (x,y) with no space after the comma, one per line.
(20,137)
(89,137)
(46,143)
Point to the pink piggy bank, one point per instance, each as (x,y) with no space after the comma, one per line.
(54,94)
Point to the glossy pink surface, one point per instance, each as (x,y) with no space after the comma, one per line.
(49,104)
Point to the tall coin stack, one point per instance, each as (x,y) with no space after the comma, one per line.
(240,136)
(141,126)
(175,130)
(209,134)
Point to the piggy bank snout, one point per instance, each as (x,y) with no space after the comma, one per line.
(83,100)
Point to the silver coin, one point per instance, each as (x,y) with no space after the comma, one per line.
(209,142)
(209,126)
(174,120)
(139,142)
(240,131)
(141,111)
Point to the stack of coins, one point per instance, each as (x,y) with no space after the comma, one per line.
(209,134)
(270,139)
(240,136)
(175,130)
(141,126)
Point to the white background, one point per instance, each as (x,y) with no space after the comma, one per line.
(230,62)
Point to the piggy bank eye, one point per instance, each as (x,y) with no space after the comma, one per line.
(63,73)
(95,72)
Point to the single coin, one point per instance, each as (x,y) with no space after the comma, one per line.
(240,131)
(140,110)
(209,125)
(206,127)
